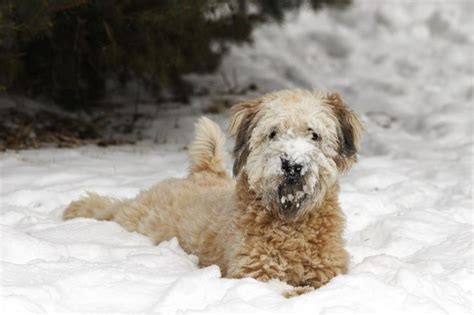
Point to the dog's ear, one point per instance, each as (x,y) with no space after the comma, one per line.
(349,133)
(241,126)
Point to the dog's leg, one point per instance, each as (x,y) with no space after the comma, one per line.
(297,291)
(91,206)
(132,215)
(264,276)
(265,270)
(127,213)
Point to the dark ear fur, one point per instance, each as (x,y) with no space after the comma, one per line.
(350,132)
(241,126)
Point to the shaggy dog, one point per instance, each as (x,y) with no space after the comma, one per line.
(280,217)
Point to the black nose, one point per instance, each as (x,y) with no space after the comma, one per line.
(291,170)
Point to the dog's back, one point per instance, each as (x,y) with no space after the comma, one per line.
(195,209)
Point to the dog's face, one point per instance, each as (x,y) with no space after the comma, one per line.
(293,145)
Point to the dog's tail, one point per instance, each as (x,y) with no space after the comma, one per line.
(207,151)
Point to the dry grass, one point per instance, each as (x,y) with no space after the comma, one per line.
(20,130)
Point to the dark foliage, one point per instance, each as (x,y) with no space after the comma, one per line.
(68,50)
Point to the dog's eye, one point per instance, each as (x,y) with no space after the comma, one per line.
(272,135)
(314,135)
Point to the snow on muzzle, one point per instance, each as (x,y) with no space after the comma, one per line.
(291,198)
(291,190)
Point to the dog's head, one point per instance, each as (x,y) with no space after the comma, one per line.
(293,145)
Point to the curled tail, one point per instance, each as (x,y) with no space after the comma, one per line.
(206,152)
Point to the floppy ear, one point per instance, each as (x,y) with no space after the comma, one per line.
(241,126)
(349,133)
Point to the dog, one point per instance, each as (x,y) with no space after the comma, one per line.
(279,217)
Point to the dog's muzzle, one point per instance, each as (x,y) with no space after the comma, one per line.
(291,171)
(291,195)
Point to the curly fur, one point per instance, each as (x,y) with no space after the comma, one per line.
(239,224)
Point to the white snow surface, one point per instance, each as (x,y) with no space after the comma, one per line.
(406,67)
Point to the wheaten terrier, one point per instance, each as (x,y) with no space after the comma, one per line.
(280,217)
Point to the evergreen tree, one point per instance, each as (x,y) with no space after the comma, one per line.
(67,50)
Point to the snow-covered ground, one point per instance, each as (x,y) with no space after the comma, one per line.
(406,67)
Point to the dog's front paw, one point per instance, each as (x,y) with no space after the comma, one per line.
(297,291)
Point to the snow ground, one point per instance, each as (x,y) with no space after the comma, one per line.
(407,67)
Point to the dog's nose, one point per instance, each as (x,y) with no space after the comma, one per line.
(291,170)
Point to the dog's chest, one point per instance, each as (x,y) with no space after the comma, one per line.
(293,244)
(292,253)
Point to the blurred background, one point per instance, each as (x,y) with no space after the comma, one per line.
(87,57)
(77,72)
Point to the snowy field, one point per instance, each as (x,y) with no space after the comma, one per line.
(406,67)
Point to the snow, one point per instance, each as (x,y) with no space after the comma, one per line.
(297,149)
(406,66)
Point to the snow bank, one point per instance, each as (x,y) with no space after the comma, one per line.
(406,66)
